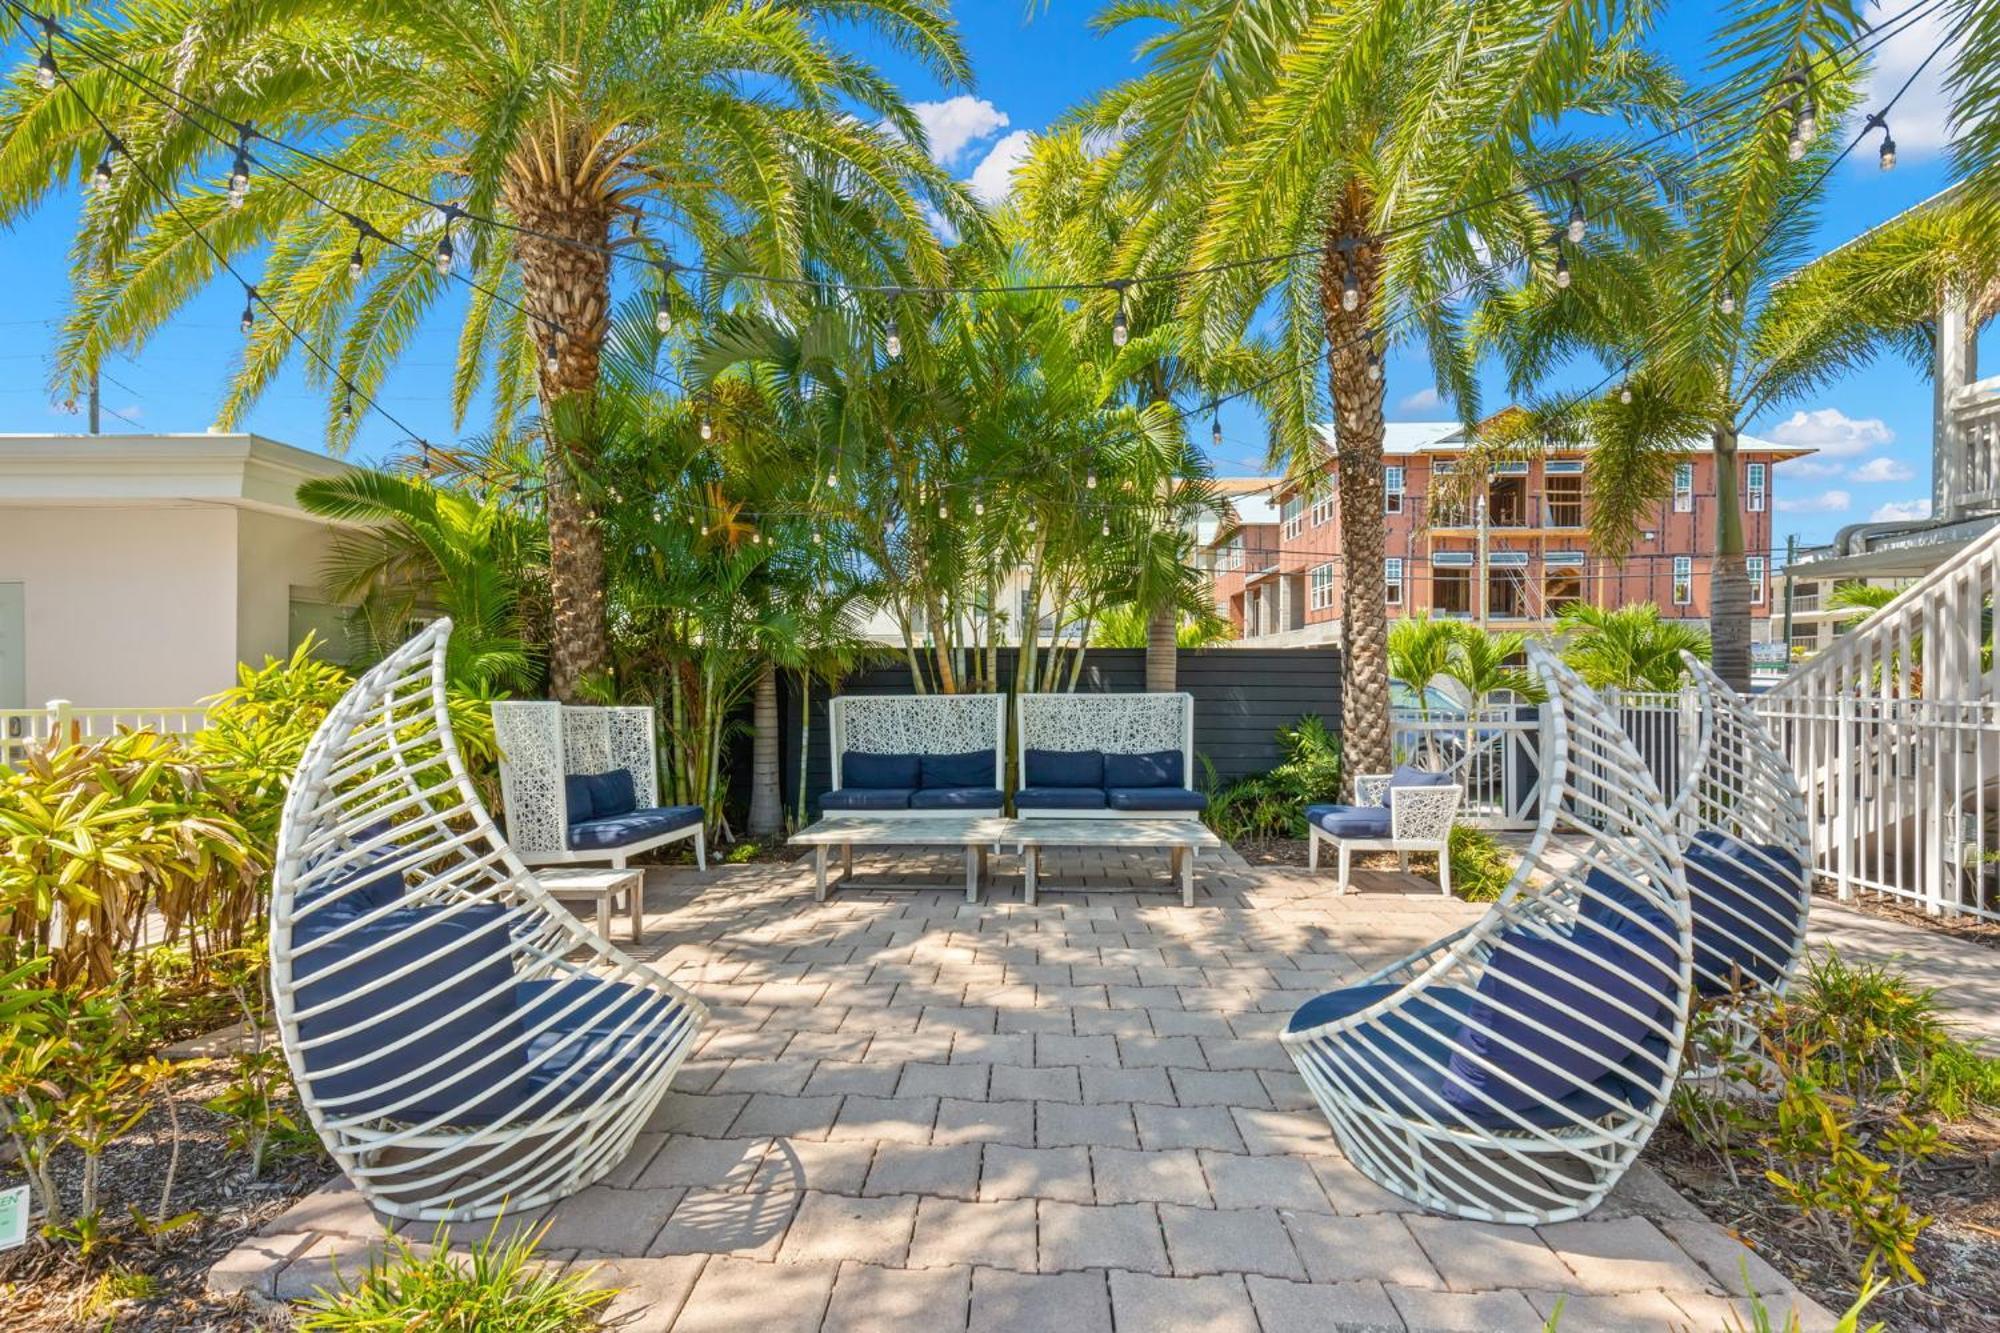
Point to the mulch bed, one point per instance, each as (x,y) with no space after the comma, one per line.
(1969,928)
(1958,1253)
(47,1287)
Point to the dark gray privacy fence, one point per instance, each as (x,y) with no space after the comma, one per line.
(1241,697)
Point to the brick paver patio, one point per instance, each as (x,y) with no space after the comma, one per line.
(910,1112)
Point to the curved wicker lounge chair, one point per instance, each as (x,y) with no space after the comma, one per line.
(1512,1071)
(461,1043)
(1748,848)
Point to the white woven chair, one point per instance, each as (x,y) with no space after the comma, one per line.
(1742,816)
(1419,820)
(461,1043)
(1106,756)
(933,756)
(553,755)
(1513,1071)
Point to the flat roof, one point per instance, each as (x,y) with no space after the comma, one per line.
(239,469)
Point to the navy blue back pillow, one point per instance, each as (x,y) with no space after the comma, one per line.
(612,794)
(878,771)
(1157,768)
(974,768)
(1065,768)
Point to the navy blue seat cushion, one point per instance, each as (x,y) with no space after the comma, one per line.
(1350,821)
(459,964)
(867,798)
(974,768)
(1059,798)
(584,1034)
(599,835)
(1405,1064)
(1065,768)
(360,887)
(903,771)
(957,798)
(1616,968)
(576,797)
(1180,800)
(1403,775)
(1745,903)
(1156,768)
(611,794)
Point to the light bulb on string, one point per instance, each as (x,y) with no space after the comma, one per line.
(1795,147)
(347,407)
(1374,370)
(663,315)
(249,309)
(45,70)
(355,263)
(1807,125)
(1104,529)
(816,538)
(1578,224)
(707,427)
(1121,332)
(102,178)
(892,337)
(551,359)
(832,480)
(1887,157)
(1350,285)
(239,171)
(1727,302)
(1215,431)
(979,509)
(1562,268)
(1090,480)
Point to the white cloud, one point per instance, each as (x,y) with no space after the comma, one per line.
(1832,432)
(1901,511)
(1883,469)
(993,179)
(954,125)
(1921,121)
(1826,502)
(1423,400)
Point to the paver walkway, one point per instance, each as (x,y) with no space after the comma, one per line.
(914,1113)
(1965,975)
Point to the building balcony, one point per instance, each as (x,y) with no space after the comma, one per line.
(1522,514)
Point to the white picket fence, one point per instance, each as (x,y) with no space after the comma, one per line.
(22,729)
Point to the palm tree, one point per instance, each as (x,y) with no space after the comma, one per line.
(1863,599)
(1630,648)
(1391,149)
(1482,665)
(586,129)
(426,551)
(1420,650)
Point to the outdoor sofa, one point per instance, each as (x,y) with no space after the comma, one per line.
(917,755)
(1107,756)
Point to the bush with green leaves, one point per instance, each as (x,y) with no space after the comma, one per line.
(498,1286)
(1272,805)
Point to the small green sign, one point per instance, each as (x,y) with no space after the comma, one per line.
(13,1217)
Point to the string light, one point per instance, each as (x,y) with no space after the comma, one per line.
(832,480)
(1578,224)
(1104,529)
(663,316)
(1121,332)
(816,541)
(445,254)
(979,509)
(45,68)
(1215,430)
(707,427)
(1727,303)
(1807,124)
(347,407)
(1090,480)
(892,341)
(1562,266)
(101,179)
(239,171)
(249,307)
(551,362)
(1887,157)
(1350,285)
(1374,371)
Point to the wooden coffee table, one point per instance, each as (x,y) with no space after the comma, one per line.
(1183,837)
(601,885)
(976,834)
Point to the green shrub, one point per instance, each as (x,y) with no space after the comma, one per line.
(1272,805)
(497,1287)
(1480,865)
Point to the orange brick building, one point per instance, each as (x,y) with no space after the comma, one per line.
(1281,573)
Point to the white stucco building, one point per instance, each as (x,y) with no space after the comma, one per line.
(138,570)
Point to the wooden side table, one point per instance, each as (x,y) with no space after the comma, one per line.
(602,886)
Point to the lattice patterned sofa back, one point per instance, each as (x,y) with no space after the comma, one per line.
(549,752)
(922,755)
(1106,756)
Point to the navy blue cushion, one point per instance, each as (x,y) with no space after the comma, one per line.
(599,835)
(957,798)
(576,796)
(1179,800)
(1403,775)
(866,798)
(1351,821)
(1157,768)
(1542,978)
(1065,768)
(1059,798)
(880,770)
(585,1033)
(611,794)
(974,768)
(1745,903)
(453,957)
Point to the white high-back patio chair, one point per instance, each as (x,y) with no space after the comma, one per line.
(580,783)
(917,755)
(1106,756)
(1742,816)
(461,1042)
(1512,1071)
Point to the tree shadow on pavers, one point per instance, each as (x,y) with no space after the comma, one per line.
(738,1221)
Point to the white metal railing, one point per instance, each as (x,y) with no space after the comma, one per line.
(23,729)
(1495,752)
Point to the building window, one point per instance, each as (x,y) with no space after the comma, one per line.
(1232,555)
(1754,567)
(1322,510)
(1754,485)
(1294,507)
(1392,490)
(1684,488)
(1320,588)
(1683,580)
(1392,580)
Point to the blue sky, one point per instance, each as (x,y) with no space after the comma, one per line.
(1872,428)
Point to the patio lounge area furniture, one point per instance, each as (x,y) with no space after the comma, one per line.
(1406,811)
(975,833)
(923,756)
(1182,837)
(1512,1071)
(1747,846)
(604,890)
(581,785)
(1106,756)
(461,1043)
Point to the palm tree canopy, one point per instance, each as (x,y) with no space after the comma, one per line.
(698,123)
(1630,648)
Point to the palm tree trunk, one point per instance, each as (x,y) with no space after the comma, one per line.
(566,289)
(1729,580)
(1162,652)
(805,741)
(767,805)
(1357,400)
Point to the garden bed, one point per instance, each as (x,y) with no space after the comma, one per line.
(1958,1253)
(1969,928)
(134,1282)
